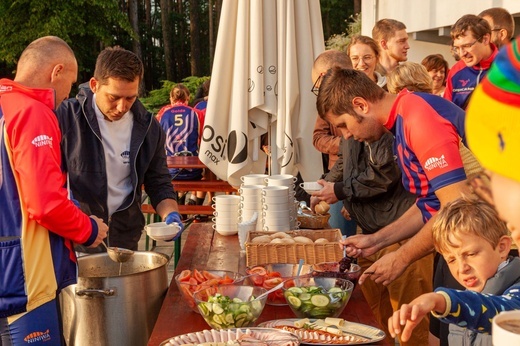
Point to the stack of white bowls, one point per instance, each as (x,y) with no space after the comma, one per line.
(276,214)
(226,214)
(251,197)
(250,201)
(288,181)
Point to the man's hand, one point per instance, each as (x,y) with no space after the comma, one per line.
(326,193)
(361,245)
(175,217)
(386,269)
(410,315)
(314,202)
(102,231)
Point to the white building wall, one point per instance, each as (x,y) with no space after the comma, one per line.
(423,15)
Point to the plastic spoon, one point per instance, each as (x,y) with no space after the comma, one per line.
(300,265)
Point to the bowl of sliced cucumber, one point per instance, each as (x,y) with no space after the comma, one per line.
(230,306)
(318,297)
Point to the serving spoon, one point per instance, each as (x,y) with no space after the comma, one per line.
(275,288)
(118,254)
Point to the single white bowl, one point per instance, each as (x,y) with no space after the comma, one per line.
(311,187)
(162,231)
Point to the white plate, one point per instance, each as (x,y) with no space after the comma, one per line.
(369,333)
(269,336)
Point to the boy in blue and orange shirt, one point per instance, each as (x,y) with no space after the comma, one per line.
(475,243)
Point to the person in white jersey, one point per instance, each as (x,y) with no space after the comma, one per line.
(112,147)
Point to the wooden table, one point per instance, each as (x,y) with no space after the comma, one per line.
(189,162)
(206,249)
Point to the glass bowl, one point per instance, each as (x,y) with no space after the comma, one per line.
(318,297)
(331,270)
(230,306)
(270,275)
(191,281)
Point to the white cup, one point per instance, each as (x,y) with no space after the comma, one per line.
(275,228)
(506,328)
(226,220)
(226,199)
(274,212)
(275,208)
(254,179)
(250,190)
(225,229)
(251,205)
(280,191)
(227,214)
(275,200)
(225,208)
(248,213)
(281,180)
(276,220)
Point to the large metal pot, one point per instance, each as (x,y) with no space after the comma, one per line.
(108,308)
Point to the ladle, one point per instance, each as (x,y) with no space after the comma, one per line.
(303,205)
(118,254)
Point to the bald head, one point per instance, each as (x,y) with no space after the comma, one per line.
(329,59)
(48,62)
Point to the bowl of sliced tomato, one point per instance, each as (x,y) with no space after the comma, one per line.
(270,275)
(191,281)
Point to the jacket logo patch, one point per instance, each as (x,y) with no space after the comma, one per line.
(41,140)
(37,337)
(464,82)
(435,162)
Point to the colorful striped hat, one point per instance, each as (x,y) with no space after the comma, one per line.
(493,115)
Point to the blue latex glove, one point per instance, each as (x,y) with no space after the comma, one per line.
(175,217)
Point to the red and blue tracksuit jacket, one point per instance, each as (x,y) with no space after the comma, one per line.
(427,131)
(462,80)
(38,223)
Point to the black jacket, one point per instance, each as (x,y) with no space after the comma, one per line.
(368,181)
(84,160)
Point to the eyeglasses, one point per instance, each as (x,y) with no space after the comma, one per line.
(464,47)
(366,58)
(480,185)
(315,87)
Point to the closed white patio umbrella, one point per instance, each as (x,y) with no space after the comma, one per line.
(261,83)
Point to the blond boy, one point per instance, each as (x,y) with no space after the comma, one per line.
(475,244)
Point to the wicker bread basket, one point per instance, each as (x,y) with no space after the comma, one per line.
(265,253)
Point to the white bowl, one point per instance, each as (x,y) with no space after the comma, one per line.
(311,187)
(162,231)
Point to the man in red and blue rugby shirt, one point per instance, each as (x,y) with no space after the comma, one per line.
(471,37)
(38,222)
(428,134)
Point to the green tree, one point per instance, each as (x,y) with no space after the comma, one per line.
(87,25)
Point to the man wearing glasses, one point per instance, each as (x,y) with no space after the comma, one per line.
(502,25)
(471,37)
(325,137)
